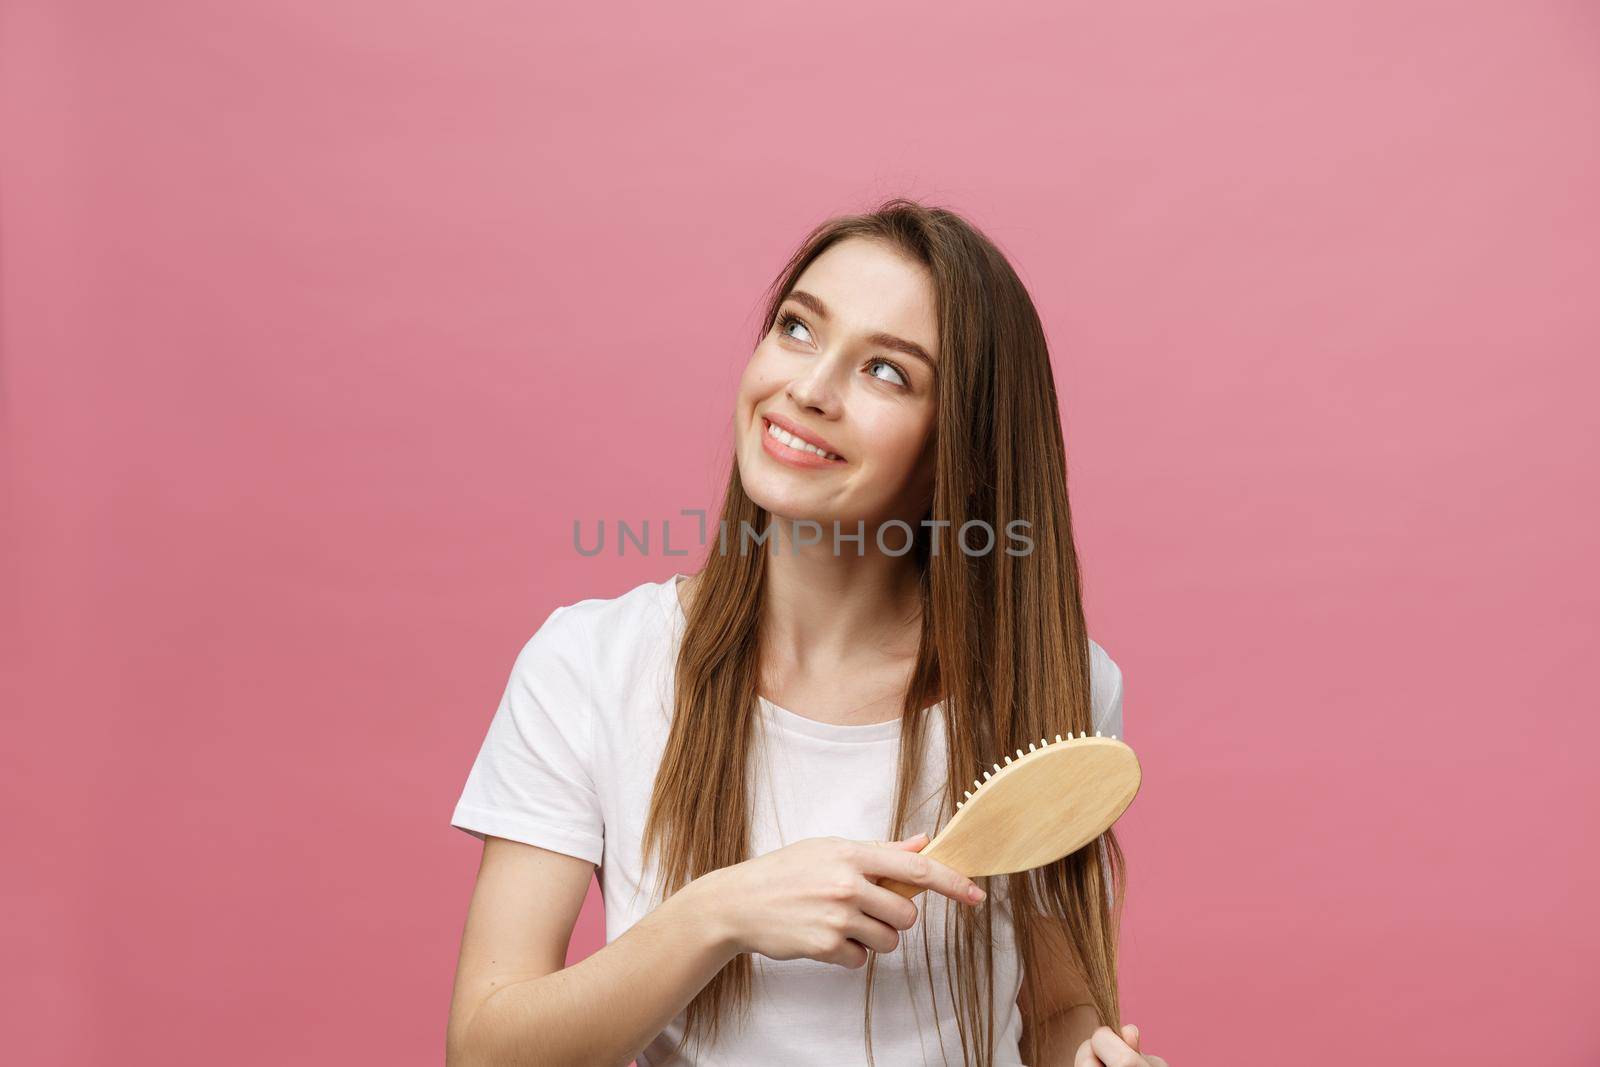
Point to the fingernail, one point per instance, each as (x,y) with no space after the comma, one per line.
(975,894)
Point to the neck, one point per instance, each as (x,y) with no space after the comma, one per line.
(824,608)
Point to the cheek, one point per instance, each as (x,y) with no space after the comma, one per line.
(762,374)
(899,437)
(758,382)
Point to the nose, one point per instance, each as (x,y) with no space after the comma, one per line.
(816,390)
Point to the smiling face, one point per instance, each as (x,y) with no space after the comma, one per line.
(840,368)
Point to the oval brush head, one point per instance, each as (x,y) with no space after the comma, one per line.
(1041,806)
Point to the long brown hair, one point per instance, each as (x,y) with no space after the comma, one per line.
(1003,643)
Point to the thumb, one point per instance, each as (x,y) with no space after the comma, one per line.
(1130,1034)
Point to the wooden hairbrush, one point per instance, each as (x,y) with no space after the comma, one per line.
(1037,808)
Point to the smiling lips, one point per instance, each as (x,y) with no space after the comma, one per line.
(789,447)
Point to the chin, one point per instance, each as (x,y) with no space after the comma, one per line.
(785,494)
(781,504)
(784,501)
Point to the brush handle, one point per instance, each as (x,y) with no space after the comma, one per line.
(905,889)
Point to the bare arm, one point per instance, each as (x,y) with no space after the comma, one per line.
(514,1004)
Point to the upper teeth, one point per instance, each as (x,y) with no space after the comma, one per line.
(794,442)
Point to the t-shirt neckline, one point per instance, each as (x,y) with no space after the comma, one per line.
(783,717)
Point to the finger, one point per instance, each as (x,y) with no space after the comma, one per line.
(910,844)
(1155,1061)
(1085,1057)
(849,954)
(916,869)
(1130,1034)
(886,906)
(869,932)
(1112,1050)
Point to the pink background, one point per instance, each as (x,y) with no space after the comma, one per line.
(323,322)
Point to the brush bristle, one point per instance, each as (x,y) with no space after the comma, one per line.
(1044,743)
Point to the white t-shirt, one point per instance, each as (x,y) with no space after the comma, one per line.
(568,764)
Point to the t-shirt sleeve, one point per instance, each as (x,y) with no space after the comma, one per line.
(1108,719)
(533,780)
(1107,690)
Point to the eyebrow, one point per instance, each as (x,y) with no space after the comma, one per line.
(886,340)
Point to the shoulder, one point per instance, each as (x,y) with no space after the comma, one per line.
(1106,689)
(642,605)
(598,630)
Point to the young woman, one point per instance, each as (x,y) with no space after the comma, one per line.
(890,600)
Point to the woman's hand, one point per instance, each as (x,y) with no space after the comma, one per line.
(1105,1049)
(819,898)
